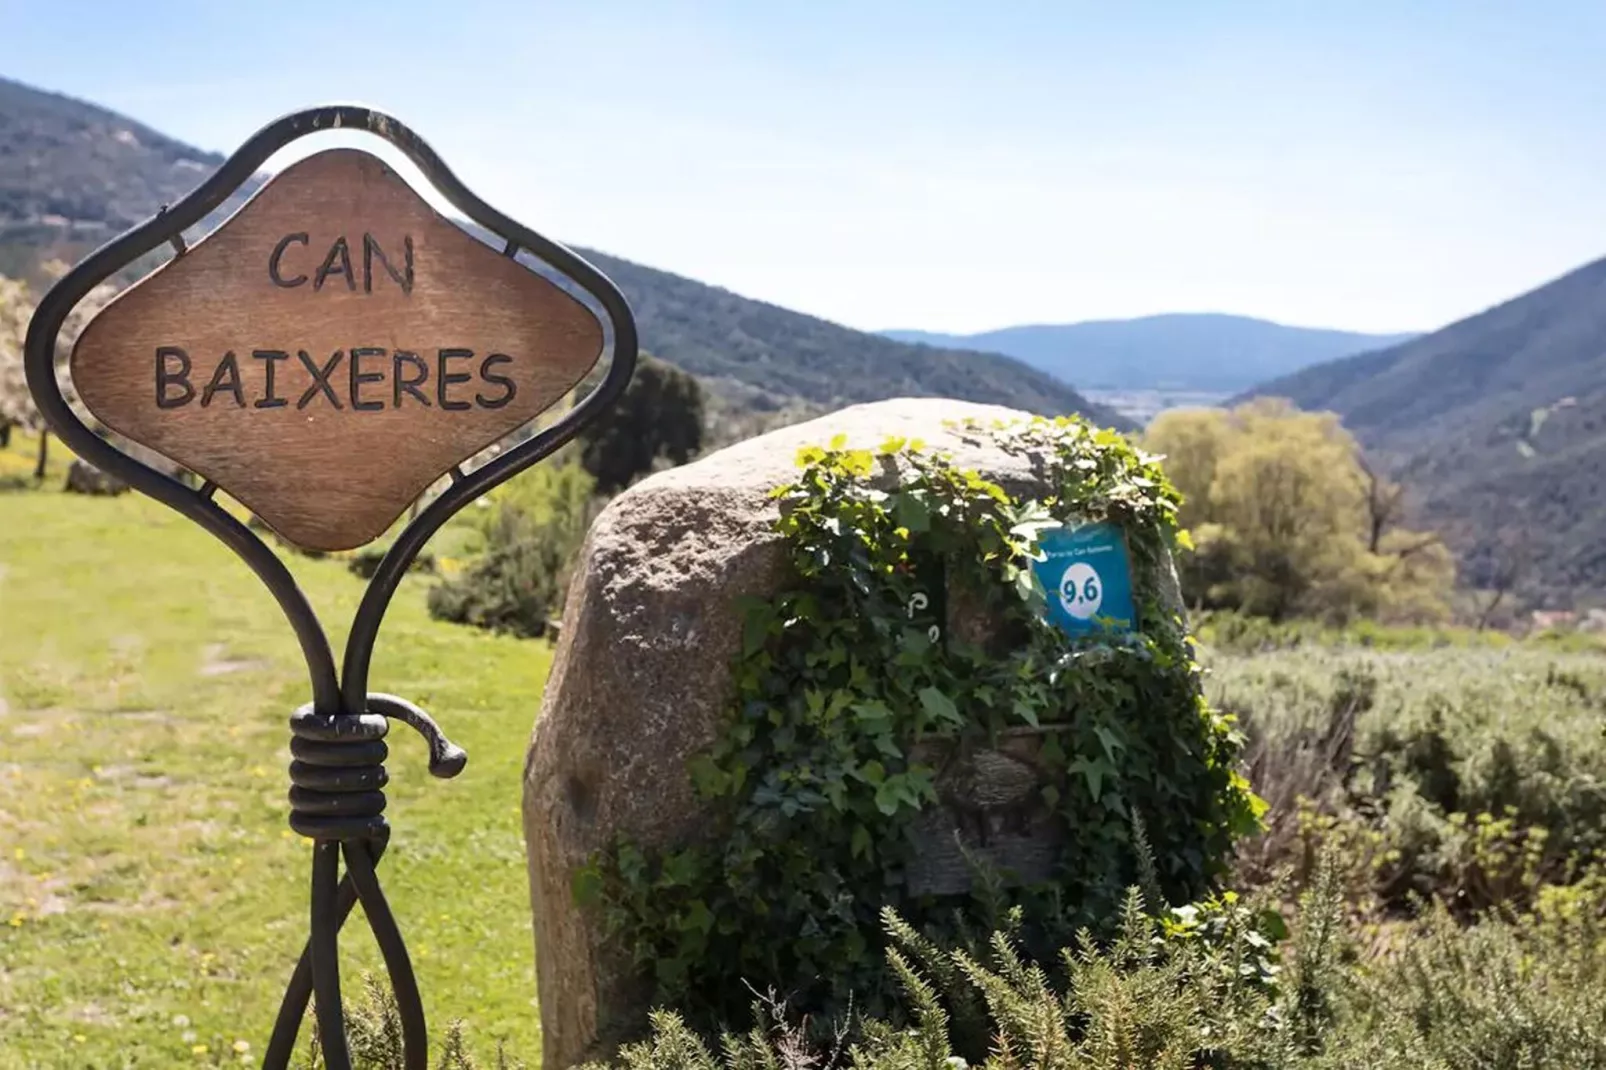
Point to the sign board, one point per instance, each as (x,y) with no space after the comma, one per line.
(331,350)
(1087,574)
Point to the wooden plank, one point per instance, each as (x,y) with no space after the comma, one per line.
(332,350)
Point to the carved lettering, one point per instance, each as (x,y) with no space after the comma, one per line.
(261,383)
(359,377)
(270,359)
(226,377)
(371,252)
(446,378)
(278,253)
(320,379)
(509,388)
(404,385)
(337,251)
(166,376)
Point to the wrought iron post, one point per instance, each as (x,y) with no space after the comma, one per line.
(337,741)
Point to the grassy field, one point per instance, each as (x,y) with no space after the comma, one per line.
(152,898)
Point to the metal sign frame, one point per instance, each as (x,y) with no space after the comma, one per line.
(337,740)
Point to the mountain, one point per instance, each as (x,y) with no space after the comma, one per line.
(1499,422)
(1181,351)
(780,354)
(73,175)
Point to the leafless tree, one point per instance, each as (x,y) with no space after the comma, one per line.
(1511,563)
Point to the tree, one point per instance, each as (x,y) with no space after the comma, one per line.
(16,405)
(532,529)
(1289,519)
(658,420)
(17,408)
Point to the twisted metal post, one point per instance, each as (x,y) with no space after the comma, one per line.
(337,743)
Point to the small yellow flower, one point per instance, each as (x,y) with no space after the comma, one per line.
(200,1049)
(79,1038)
(16,920)
(242,1046)
(19,854)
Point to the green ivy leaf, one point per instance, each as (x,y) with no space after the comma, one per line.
(1110,740)
(586,886)
(913,512)
(939,706)
(860,841)
(1094,771)
(698,917)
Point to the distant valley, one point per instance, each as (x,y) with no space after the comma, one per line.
(1183,352)
(1141,406)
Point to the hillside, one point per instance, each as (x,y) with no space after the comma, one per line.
(1183,351)
(781,354)
(73,175)
(1500,421)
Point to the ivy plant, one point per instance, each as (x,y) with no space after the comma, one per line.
(815,785)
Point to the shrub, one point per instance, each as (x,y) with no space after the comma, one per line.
(365,562)
(1221,984)
(1471,775)
(531,529)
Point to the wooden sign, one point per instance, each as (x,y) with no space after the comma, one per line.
(331,350)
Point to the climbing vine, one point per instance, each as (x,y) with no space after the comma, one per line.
(850,681)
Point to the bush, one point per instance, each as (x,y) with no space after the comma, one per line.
(365,562)
(532,529)
(1471,775)
(1222,984)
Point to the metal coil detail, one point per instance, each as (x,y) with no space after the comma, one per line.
(337,774)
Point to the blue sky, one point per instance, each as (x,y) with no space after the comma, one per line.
(949,166)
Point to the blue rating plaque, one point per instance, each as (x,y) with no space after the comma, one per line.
(1087,575)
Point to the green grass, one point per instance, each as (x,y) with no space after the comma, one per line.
(152,898)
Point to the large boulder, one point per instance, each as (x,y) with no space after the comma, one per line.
(85,478)
(642,680)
